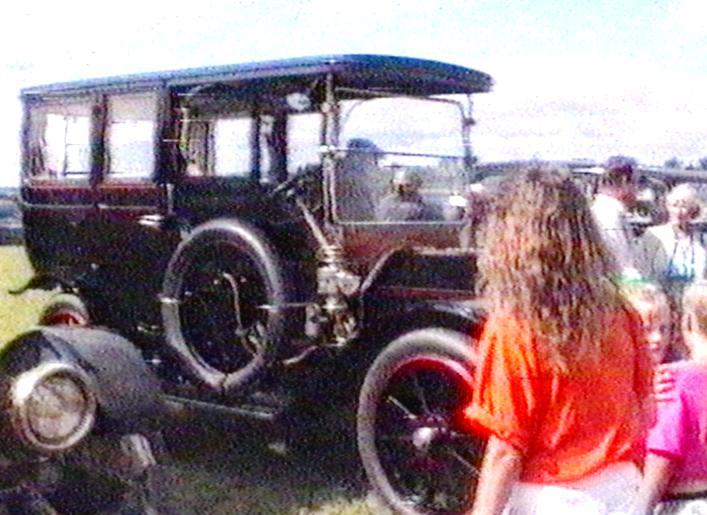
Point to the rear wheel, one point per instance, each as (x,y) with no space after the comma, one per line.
(417,454)
(65,309)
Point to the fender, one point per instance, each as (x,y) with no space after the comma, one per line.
(128,393)
(464,316)
(67,279)
(42,282)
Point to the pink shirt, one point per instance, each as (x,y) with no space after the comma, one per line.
(680,431)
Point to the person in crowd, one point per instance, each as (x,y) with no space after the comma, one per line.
(672,252)
(562,387)
(653,306)
(404,203)
(478,202)
(675,472)
(616,194)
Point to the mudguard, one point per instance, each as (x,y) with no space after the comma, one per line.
(128,393)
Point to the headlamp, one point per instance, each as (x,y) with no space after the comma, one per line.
(52,407)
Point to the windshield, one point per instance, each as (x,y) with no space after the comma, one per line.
(402,160)
(404,124)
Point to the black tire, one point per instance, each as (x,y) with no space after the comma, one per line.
(416,453)
(65,309)
(223,292)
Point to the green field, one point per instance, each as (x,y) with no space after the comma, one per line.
(220,471)
(17,312)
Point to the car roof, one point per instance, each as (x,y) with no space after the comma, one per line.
(383,72)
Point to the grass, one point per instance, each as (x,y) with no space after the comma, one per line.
(219,471)
(17,312)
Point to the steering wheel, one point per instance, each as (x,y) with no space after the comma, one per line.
(298,178)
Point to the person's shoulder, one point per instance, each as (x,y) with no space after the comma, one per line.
(690,377)
(510,331)
(688,370)
(658,231)
(607,209)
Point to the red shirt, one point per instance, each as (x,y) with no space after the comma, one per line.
(565,426)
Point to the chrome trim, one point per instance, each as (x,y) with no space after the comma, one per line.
(24,385)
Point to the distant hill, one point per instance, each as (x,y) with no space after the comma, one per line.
(9,191)
(10,218)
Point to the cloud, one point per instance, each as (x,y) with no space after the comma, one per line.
(689,16)
(557,107)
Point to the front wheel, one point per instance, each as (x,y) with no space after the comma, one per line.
(416,453)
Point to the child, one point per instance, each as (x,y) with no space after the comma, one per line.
(652,304)
(675,472)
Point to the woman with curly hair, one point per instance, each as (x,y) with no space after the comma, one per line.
(563,385)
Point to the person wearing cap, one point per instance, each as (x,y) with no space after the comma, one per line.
(616,194)
(354,179)
(404,203)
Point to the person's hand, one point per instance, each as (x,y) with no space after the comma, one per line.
(664,382)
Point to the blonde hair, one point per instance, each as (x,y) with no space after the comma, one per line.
(688,194)
(543,260)
(683,191)
(694,302)
(646,292)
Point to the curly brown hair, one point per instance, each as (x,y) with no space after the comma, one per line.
(543,261)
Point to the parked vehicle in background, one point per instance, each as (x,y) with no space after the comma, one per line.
(10,217)
(224,220)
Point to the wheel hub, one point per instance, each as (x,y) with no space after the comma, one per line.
(432,429)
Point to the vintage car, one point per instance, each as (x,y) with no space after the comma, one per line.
(227,220)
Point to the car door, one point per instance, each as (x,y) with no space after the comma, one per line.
(132,245)
(57,194)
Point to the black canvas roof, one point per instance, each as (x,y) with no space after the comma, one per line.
(390,73)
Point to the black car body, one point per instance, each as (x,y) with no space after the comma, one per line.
(224,219)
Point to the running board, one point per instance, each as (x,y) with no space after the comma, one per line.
(182,406)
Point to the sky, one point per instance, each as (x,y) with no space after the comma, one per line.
(573,79)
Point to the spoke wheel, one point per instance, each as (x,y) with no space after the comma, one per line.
(417,454)
(221,309)
(223,306)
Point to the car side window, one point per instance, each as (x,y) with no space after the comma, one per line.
(217,145)
(232,146)
(60,140)
(304,137)
(130,136)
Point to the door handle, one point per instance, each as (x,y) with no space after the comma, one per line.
(154,221)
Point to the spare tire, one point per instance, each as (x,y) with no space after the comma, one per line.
(223,294)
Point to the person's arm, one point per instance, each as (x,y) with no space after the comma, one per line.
(657,472)
(664,382)
(500,470)
(645,254)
